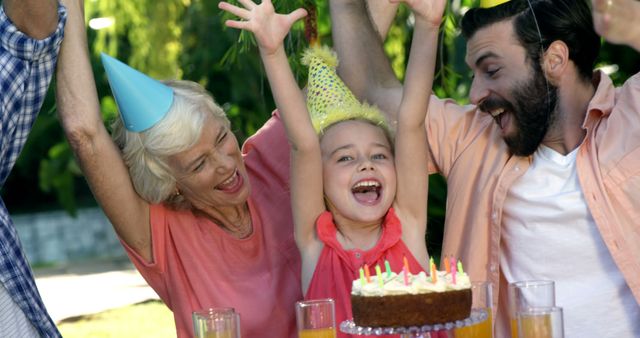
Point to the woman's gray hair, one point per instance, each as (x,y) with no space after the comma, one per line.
(145,153)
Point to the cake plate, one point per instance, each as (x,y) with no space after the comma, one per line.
(477,316)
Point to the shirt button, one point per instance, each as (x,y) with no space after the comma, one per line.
(494,215)
(517,169)
(358,255)
(492,268)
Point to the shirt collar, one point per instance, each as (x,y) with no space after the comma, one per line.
(604,97)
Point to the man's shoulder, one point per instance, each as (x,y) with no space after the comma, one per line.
(633,81)
(628,94)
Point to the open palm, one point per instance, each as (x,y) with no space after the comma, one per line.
(267,26)
(613,20)
(430,11)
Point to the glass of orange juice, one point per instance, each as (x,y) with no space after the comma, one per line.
(529,294)
(316,318)
(540,322)
(221,322)
(482,299)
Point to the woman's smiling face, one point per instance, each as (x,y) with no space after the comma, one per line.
(212,173)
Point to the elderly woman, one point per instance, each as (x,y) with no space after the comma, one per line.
(206,224)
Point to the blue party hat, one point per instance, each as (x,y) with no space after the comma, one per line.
(142,101)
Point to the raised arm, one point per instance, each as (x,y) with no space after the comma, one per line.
(364,66)
(36,18)
(617,21)
(411,146)
(307,201)
(96,153)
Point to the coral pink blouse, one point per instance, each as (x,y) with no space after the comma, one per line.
(198,265)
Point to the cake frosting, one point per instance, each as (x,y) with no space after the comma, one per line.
(394,284)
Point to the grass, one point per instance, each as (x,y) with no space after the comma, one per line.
(146,319)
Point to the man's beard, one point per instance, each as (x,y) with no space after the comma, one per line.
(533,110)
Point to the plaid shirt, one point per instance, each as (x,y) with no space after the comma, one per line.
(26,68)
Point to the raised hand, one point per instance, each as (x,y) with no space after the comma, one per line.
(269,27)
(616,21)
(429,11)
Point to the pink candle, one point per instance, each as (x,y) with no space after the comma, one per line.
(453,272)
(406,275)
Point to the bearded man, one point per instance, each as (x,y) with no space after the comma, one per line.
(543,167)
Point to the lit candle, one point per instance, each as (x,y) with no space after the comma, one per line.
(460,267)
(379,275)
(367,273)
(388,268)
(362,276)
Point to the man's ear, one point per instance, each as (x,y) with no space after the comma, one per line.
(556,61)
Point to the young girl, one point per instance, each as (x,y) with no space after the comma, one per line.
(357,200)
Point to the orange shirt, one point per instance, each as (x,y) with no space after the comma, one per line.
(197,265)
(467,148)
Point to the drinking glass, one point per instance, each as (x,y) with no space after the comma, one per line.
(529,294)
(316,318)
(216,323)
(482,299)
(540,322)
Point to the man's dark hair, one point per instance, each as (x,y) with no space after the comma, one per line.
(567,20)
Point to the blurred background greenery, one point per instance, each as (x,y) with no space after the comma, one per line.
(186,39)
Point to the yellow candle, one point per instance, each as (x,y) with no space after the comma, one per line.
(434,275)
(379,275)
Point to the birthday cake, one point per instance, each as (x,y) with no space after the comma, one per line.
(403,300)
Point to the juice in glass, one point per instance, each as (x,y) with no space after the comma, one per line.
(316,318)
(536,326)
(328,332)
(221,334)
(479,330)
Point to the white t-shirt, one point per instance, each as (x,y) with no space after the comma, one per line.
(14,322)
(549,233)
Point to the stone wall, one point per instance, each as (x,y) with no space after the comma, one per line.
(56,238)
